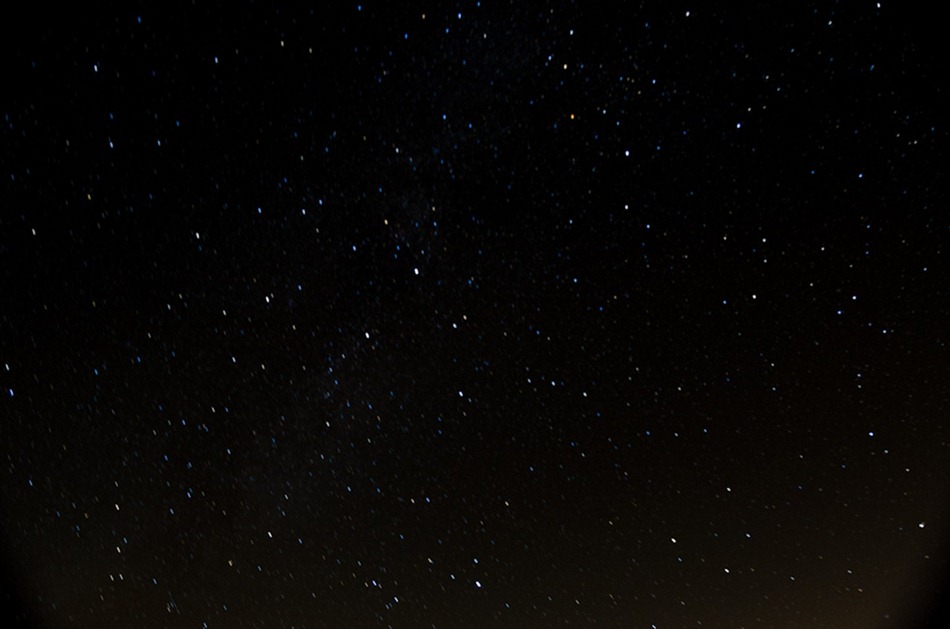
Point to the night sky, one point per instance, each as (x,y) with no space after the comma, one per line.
(474,314)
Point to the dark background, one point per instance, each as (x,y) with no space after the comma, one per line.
(473,314)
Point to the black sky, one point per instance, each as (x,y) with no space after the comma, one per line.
(473,315)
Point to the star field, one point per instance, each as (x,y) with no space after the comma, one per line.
(474,314)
